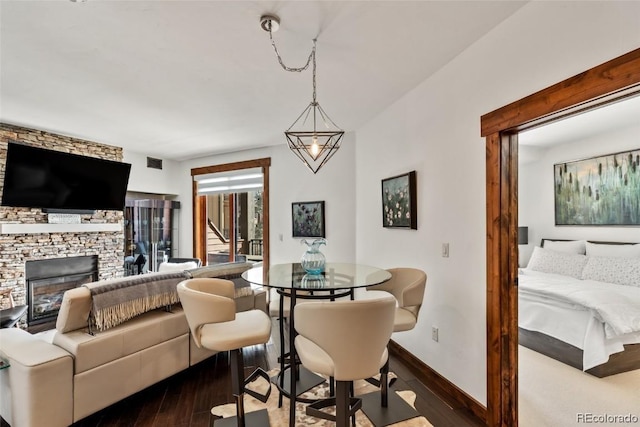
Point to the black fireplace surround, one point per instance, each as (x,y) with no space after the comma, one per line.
(48,279)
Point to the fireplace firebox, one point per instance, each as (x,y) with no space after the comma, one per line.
(48,279)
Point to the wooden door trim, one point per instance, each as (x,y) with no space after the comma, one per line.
(199,233)
(226,167)
(616,75)
(263,163)
(620,77)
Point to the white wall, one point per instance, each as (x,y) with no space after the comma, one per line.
(148,180)
(536,198)
(291,181)
(435,130)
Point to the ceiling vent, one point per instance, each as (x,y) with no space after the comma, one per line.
(154,163)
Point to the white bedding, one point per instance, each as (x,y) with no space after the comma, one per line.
(597,317)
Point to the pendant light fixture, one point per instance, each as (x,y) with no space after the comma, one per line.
(313,136)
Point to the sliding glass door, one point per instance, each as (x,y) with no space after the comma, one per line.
(231,212)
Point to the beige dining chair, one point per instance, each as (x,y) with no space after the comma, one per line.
(346,340)
(407,285)
(210,310)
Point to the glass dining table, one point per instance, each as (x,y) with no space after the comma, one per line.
(338,280)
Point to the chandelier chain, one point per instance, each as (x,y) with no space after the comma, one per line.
(293,69)
(313,53)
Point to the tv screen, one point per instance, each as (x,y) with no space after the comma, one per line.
(40,178)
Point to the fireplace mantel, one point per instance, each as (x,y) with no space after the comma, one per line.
(58,228)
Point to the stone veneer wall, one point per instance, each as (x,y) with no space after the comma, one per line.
(16,249)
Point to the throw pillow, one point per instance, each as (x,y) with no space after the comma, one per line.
(621,271)
(613,251)
(571,246)
(548,261)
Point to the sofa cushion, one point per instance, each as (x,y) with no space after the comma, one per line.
(144,331)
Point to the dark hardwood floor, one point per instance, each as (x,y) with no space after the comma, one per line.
(186,398)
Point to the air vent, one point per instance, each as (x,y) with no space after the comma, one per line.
(154,163)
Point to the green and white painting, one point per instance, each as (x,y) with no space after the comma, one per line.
(399,209)
(599,191)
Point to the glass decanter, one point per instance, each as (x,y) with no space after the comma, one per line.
(313,260)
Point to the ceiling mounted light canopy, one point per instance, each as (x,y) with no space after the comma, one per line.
(313,145)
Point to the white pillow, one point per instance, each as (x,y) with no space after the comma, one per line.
(621,271)
(177,266)
(613,251)
(566,264)
(572,246)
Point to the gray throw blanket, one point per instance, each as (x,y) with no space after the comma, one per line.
(118,300)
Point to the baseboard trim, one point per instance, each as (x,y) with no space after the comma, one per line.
(445,389)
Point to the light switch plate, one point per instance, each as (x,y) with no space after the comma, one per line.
(445,250)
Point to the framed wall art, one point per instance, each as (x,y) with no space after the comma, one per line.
(308,219)
(399,207)
(601,190)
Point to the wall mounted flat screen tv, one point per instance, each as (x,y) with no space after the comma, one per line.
(53,180)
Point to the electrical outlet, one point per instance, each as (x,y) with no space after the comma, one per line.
(445,250)
(434,333)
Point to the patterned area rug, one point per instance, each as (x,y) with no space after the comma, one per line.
(280,416)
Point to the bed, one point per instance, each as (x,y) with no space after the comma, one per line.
(579,303)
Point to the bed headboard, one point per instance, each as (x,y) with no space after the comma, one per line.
(597,242)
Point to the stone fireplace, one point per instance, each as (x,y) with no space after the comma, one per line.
(48,279)
(26,236)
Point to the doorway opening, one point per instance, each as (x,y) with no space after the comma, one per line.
(605,83)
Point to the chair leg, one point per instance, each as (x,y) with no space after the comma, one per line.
(254,419)
(281,330)
(346,405)
(352,394)
(384,385)
(237,383)
(342,403)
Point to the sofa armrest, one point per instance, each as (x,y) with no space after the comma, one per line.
(37,387)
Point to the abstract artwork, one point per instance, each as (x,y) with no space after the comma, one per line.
(602,190)
(308,219)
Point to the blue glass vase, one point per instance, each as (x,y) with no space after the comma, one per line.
(313,260)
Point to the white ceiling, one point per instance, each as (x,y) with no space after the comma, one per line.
(182,79)
(611,117)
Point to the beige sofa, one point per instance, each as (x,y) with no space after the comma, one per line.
(84,370)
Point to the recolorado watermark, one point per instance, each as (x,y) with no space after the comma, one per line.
(590,418)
